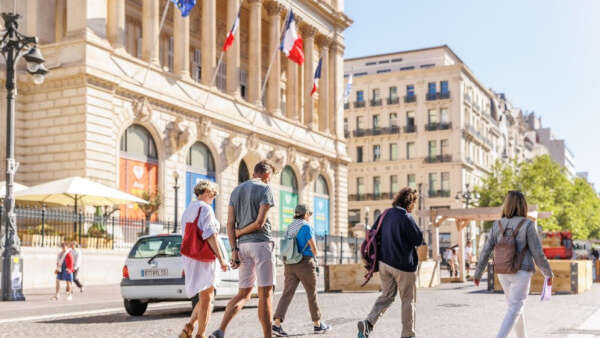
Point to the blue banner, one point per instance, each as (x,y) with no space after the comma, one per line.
(321,215)
(191,179)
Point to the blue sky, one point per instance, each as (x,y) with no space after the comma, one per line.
(545,55)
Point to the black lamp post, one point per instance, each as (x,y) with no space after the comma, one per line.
(176,189)
(467,196)
(13,46)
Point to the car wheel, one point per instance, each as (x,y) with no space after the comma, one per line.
(135,307)
(194,302)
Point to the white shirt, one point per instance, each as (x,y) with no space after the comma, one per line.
(76,258)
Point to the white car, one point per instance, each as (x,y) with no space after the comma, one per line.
(153,272)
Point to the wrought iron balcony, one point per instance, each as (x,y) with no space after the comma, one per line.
(410,98)
(467,98)
(410,129)
(346,133)
(438,159)
(347,105)
(444,95)
(376,102)
(438,126)
(432,96)
(393,100)
(360,132)
(359,104)
(439,193)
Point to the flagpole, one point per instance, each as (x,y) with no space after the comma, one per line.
(162,22)
(262,89)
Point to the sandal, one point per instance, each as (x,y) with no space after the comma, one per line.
(187,331)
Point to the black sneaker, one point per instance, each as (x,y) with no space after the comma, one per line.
(278,331)
(322,328)
(364,329)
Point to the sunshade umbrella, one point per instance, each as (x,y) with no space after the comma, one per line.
(74,191)
(16,187)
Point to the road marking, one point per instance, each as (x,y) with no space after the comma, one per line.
(85,313)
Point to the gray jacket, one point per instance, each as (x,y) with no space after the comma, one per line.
(527,234)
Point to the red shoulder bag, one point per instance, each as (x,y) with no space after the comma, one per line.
(193,246)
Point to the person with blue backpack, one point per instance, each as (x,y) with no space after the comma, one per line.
(299,252)
(396,239)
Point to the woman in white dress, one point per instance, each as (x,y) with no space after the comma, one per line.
(200,274)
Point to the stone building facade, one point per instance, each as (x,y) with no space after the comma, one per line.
(421,118)
(135,107)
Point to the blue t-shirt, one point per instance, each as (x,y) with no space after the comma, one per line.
(304,235)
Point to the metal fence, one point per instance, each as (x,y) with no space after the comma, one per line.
(47,227)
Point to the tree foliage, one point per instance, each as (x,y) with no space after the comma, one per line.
(575,206)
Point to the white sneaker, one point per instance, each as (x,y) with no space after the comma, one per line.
(55,297)
(69,296)
(81,290)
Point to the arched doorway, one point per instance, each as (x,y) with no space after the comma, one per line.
(243,172)
(138,166)
(200,166)
(321,206)
(288,197)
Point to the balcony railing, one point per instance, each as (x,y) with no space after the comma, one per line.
(359,104)
(347,105)
(370,197)
(439,193)
(346,133)
(471,130)
(393,100)
(410,98)
(357,197)
(410,129)
(438,126)
(432,96)
(376,102)
(438,159)
(467,98)
(444,95)
(374,131)
(476,106)
(360,132)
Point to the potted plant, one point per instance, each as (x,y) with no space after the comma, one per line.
(154,202)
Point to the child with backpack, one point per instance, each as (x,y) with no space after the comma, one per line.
(516,246)
(390,248)
(299,252)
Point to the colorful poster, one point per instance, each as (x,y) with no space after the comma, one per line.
(191,179)
(287,205)
(137,177)
(321,215)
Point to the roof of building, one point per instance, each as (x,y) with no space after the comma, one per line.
(408,51)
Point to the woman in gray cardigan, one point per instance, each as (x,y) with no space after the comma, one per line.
(515,286)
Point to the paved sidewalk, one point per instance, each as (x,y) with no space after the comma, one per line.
(452,310)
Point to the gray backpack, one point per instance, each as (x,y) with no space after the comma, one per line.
(289,249)
(507,258)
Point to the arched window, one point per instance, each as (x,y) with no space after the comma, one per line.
(321,186)
(321,206)
(138,167)
(243,173)
(200,159)
(137,142)
(288,179)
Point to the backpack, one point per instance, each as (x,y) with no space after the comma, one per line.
(369,248)
(507,259)
(289,249)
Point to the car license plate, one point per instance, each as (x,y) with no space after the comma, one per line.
(155,272)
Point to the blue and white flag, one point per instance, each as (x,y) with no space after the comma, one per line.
(185,6)
(348,89)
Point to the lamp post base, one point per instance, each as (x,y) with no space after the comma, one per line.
(12,278)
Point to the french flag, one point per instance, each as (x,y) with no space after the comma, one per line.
(291,45)
(316,78)
(231,35)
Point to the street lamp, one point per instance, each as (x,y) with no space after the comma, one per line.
(176,189)
(12,46)
(367,209)
(467,196)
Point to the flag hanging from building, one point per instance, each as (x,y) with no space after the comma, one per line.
(291,45)
(316,78)
(348,89)
(185,6)
(231,34)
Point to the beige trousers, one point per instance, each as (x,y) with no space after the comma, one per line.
(396,282)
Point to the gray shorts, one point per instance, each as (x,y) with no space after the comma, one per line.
(257,265)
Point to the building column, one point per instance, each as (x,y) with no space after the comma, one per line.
(150,23)
(324,85)
(274,85)
(254,52)
(84,16)
(61,19)
(232,57)
(181,45)
(209,41)
(337,89)
(291,86)
(115,23)
(308,36)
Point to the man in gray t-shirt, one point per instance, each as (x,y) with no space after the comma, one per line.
(246,199)
(249,232)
